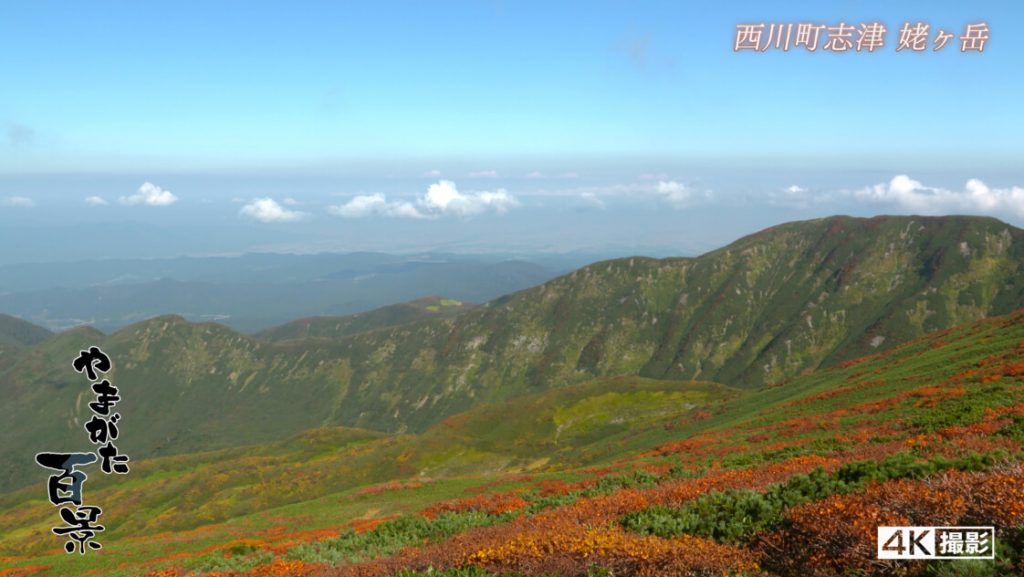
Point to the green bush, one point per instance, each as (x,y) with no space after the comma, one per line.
(390,536)
(966,409)
(735,516)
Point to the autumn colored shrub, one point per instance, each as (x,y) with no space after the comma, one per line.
(736,516)
(964,409)
(283,568)
(470,571)
(836,536)
(235,563)
(576,550)
(638,554)
(555,487)
(389,537)
(390,486)
(492,504)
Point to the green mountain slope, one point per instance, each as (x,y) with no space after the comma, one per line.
(956,392)
(16,333)
(762,310)
(184,387)
(389,316)
(556,428)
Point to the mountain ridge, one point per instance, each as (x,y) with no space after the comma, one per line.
(17,332)
(383,317)
(762,310)
(947,403)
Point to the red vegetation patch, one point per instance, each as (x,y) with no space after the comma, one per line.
(277,568)
(502,481)
(495,504)
(837,536)
(567,539)
(364,525)
(391,486)
(571,550)
(553,487)
(25,571)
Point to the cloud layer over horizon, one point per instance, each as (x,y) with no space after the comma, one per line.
(976,197)
(441,199)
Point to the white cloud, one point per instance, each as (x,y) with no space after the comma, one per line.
(669,192)
(151,195)
(290,201)
(484,174)
(569,174)
(793,196)
(440,195)
(432,173)
(360,206)
(402,210)
(976,197)
(374,205)
(442,198)
(535,174)
(674,193)
(268,210)
(96,201)
(17,201)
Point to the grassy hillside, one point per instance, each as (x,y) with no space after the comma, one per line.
(762,310)
(765,309)
(558,428)
(185,387)
(699,479)
(384,317)
(16,333)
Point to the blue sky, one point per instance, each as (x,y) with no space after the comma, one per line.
(595,102)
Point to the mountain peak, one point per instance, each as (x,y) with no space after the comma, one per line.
(16,332)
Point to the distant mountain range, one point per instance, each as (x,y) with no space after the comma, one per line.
(256,291)
(765,309)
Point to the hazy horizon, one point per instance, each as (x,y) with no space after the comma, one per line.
(171,129)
